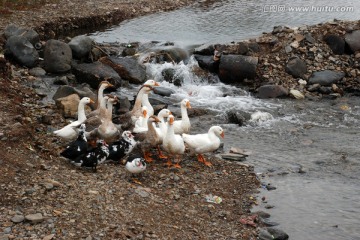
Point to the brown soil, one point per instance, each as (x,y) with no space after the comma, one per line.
(76,203)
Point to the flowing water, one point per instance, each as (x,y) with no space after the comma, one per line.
(317,139)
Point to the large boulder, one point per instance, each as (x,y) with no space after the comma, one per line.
(174,54)
(326,77)
(163,91)
(336,43)
(169,75)
(353,40)
(21,50)
(68,105)
(235,68)
(272,91)
(57,56)
(94,73)
(237,117)
(81,46)
(127,68)
(296,67)
(30,34)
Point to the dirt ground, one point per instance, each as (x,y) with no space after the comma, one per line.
(79,204)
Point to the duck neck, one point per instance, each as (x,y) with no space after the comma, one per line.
(151,129)
(100,96)
(184,114)
(138,100)
(170,130)
(109,110)
(81,112)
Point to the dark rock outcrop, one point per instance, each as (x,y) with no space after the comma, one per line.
(81,46)
(21,50)
(94,73)
(57,56)
(326,77)
(31,35)
(336,43)
(353,40)
(127,68)
(235,68)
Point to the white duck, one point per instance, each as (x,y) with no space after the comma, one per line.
(145,98)
(183,125)
(203,143)
(161,130)
(141,122)
(173,143)
(69,132)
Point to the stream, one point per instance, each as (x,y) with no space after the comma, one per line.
(307,149)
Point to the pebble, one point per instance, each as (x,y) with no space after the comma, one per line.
(18,218)
(142,193)
(49,237)
(34,218)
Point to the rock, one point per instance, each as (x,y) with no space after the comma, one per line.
(162,91)
(296,67)
(81,46)
(272,91)
(238,117)
(235,68)
(288,49)
(206,49)
(31,35)
(17,218)
(254,47)
(22,51)
(207,62)
(68,105)
(296,94)
(173,54)
(82,91)
(127,68)
(57,56)
(94,73)
(242,48)
(37,72)
(34,218)
(124,104)
(142,193)
(272,233)
(326,77)
(353,40)
(336,43)
(49,237)
(169,75)
(309,38)
(233,157)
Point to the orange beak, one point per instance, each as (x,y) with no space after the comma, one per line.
(110,85)
(222,135)
(144,113)
(171,121)
(92,101)
(157,84)
(188,105)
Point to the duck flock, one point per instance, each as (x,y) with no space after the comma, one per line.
(95,138)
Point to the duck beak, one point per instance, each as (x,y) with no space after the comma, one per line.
(157,84)
(171,121)
(110,85)
(92,101)
(144,113)
(222,135)
(188,105)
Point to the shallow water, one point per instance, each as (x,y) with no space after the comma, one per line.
(318,137)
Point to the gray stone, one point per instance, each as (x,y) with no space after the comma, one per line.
(353,40)
(238,117)
(242,48)
(31,35)
(309,38)
(336,43)
(169,75)
(272,91)
(234,157)
(82,91)
(207,62)
(206,49)
(17,218)
(296,67)
(277,233)
(22,51)
(162,91)
(37,72)
(326,77)
(254,47)
(127,68)
(57,56)
(81,46)
(288,49)
(173,54)
(142,193)
(94,73)
(34,218)
(235,68)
